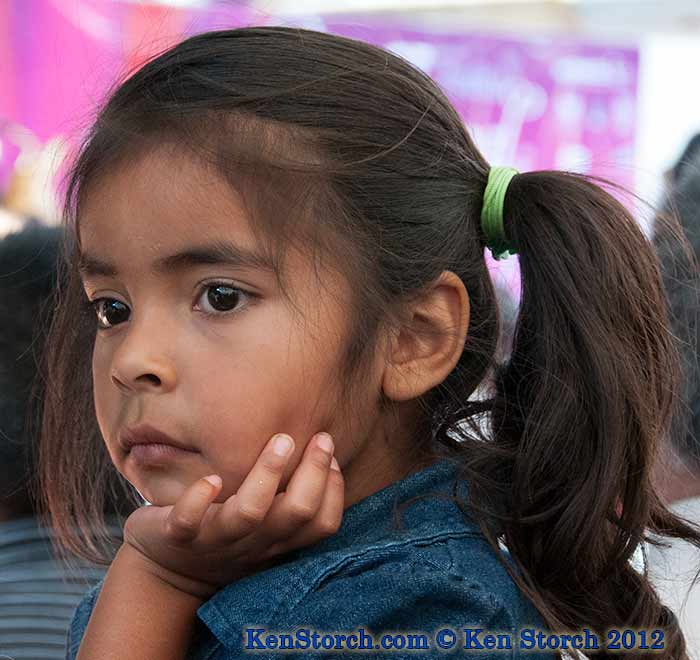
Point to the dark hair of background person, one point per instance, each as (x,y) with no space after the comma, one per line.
(27,281)
(682,283)
(351,154)
(28,274)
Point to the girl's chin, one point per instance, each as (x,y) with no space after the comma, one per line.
(160,487)
(159,490)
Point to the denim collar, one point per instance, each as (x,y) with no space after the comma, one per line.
(372,519)
(265,598)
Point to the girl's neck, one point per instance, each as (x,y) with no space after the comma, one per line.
(364,478)
(389,457)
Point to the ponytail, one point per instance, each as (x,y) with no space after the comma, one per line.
(579,409)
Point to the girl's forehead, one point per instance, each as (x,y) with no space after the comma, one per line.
(163,198)
(162,214)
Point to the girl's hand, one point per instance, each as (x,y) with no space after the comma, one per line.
(199,546)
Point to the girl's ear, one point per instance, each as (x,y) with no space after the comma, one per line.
(429,346)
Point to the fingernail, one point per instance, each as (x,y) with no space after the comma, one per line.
(214,480)
(325,442)
(282,445)
(334,465)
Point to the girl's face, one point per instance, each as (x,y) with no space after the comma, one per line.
(195,340)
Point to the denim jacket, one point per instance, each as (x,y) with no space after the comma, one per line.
(433,573)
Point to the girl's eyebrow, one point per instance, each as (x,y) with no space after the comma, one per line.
(219,252)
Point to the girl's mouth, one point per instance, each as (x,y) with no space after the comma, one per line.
(144,434)
(153,453)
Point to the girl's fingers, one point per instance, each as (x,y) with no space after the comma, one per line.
(306,489)
(301,501)
(244,512)
(185,517)
(326,521)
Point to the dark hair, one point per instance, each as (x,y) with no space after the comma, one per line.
(682,283)
(27,279)
(344,148)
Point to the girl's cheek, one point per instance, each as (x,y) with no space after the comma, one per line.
(100,382)
(101,364)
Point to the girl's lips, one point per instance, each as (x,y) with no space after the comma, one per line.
(143,434)
(149,454)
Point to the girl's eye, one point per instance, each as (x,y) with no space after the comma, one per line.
(219,298)
(110,312)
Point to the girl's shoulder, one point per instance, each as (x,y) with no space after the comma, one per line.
(80,620)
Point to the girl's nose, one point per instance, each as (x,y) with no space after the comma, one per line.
(142,362)
(144,381)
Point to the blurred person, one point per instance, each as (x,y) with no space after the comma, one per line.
(673,568)
(38,590)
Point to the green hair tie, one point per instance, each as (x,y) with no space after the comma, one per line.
(492,212)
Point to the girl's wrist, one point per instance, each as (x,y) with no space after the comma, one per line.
(181,585)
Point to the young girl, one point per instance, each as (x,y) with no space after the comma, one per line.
(283,231)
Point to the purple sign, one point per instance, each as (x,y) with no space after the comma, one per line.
(529,103)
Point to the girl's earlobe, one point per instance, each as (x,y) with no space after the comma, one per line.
(399,384)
